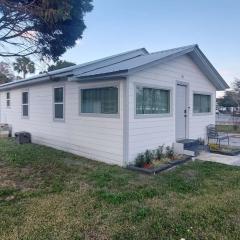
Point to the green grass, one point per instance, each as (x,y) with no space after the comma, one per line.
(228,128)
(49,194)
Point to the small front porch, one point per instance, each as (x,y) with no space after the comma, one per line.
(190,147)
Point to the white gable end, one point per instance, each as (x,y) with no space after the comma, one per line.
(149,133)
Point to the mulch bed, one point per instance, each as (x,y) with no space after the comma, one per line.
(161,168)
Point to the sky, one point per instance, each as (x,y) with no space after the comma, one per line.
(117,26)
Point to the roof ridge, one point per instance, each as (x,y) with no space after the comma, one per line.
(174,49)
(103,59)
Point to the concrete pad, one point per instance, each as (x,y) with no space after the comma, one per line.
(212,157)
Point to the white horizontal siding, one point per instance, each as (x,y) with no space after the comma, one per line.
(97,138)
(149,133)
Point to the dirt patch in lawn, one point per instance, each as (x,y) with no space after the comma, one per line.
(190,174)
(17,182)
(18,178)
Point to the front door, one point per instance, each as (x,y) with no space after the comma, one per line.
(181,112)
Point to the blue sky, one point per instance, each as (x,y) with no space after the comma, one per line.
(116,26)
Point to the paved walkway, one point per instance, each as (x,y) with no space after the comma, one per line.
(230,160)
(212,157)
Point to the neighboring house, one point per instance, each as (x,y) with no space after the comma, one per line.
(114,108)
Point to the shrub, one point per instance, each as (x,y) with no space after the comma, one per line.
(149,155)
(159,152)
(140,160)
(169,152)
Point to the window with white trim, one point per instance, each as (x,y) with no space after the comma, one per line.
(201,103)
(8,99)
(99,100)
(59,103)
(25,104)
(152,100)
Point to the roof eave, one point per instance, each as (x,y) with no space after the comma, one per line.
(113,75)
(204,64)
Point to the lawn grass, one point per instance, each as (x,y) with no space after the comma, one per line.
(49,194)
(228,128)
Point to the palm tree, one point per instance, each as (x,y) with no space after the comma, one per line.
(24,65)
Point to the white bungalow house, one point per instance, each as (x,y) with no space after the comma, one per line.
(114,108)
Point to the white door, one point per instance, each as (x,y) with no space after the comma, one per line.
(181,112)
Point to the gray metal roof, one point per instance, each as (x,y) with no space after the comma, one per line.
(68,71)
(133,63)
(125,64)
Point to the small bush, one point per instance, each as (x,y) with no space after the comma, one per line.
(169,152)
(159,152)
(149,155)
(140,160)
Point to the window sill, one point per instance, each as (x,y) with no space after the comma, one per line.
(25,117)
(164,115)
(59,120)
(202,114)
(100,115)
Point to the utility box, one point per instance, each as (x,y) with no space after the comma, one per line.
(23,137)
(5,131)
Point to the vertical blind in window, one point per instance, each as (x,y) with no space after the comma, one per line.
(152,101)
(201,103)
(59,103)
(99,100)
(25,101)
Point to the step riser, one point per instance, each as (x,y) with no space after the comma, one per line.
(188,147)
(189,153)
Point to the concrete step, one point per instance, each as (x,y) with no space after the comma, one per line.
(190,147)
